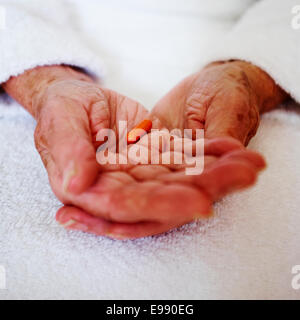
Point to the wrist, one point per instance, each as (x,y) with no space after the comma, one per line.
(31,86)
(268,94)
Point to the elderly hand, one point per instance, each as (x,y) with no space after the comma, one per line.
(120,202)
(225,99)
(142,200)
(70,108)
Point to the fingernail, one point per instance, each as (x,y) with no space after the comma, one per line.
(68,175)
(199,216)
(116,236)
(68,223)
(211,213)
(75,225)
(61,216)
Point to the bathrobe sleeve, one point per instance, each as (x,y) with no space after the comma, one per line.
(36,33)
(268,35)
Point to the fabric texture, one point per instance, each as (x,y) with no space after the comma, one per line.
(265,36)
(247,250)
(41,37)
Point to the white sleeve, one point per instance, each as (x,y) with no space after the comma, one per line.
(39,32)
(268,36)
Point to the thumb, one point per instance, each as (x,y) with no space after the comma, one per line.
(65,133)
(232,116)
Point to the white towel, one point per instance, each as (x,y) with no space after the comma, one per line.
(247,250)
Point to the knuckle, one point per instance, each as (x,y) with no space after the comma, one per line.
(198,98)
(40,145)
(39,139)
(197,104)
(193,111)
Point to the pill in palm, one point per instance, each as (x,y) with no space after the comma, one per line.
(137,132)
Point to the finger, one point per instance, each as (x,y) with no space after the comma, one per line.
(232,114)
(147,172)
(68,140)
(125,231)
(253,157)
(154,201)
(124,109)
(73,218)
(221,145)
(54,175)
(164,141)
(196,107)
(147,152)
(157,148)
(226,177)
(121,198)
(222,176)
(100,118)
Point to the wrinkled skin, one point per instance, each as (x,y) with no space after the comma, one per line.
(225,99)
(132,201)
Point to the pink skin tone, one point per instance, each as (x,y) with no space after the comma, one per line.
(225,99)
(147,200)
(132,201)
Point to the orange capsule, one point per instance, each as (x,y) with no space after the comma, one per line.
(137,132)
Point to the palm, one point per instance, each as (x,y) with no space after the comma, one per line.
(125,194)
(72,114)
(134,200)
(139,200)
(130,201)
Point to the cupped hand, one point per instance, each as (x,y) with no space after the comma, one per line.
(140,200)
(127,201)
(132,201)
(224,98)
(71,112)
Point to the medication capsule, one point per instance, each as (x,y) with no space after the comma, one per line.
(136,133)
